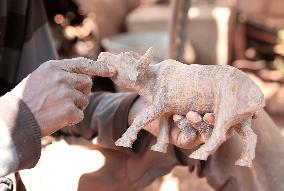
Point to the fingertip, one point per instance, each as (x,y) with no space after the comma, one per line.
(209,118)
(193,117)
(75,117)
(85,105)
(176,117)
(80,115)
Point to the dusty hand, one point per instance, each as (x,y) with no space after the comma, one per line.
(57,92)
(185,131)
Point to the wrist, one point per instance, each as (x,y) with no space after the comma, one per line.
(23,129)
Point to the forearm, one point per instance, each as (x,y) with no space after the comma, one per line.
(19,136)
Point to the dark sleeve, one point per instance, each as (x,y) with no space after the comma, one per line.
(20,144)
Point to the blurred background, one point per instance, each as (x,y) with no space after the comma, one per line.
(246,34)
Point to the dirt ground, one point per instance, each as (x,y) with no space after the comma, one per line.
(180,179)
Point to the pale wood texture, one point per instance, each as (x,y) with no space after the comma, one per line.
(171,87)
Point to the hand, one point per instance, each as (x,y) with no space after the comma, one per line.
(57,92)
(185,131)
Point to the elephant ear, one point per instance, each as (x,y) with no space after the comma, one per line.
(144,61)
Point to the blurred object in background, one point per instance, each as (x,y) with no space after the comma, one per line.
(180,179)
(178,30)
(208,30)
(275,105)
(109,14)
(260,47)
(139,42)
(78,26)
(271,8)
(252,6)
(75,34)
(149,17)
(275,8)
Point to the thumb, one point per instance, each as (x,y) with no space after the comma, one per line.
(87,66)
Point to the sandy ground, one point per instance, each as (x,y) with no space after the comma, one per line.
(180,179)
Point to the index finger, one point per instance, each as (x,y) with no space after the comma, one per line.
(87,66)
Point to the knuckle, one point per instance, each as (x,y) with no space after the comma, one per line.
(85,101)
(86,80)
(70,107)
(88,88)
(89,81)
(79,116)
(82,101)
(59,78)
(86,85)
(68,95)
(65,90)
(74,112)
(51,64)
(84,97)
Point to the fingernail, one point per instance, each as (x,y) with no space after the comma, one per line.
(193,117)
(209,118)
(176,117)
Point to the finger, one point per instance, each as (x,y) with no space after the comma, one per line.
(182,123)
(77,117)
(89,67)
(178,138)
(194,119)
(177,117)
(80,82)
(209,118)
(73,114)
(205,131)
(80,100)
(182,134)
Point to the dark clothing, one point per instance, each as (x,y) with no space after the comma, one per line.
(19,136)
(25,43)
(25,40)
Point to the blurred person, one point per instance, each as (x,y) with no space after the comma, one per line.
(107,117)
